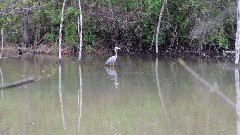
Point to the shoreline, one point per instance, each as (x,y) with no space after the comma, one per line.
(15,51)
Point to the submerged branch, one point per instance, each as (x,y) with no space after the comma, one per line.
(17,83)
(206,83)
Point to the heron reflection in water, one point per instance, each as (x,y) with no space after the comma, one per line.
(112,59)
(113,75)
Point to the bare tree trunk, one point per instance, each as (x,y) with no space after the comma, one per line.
(2,44)
(159,22)
(80,31)
(237,42)
(60,32)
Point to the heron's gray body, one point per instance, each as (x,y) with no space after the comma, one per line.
(112,59)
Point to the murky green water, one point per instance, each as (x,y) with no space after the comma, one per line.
(136,97)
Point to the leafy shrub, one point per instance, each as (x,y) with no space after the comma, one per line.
(70,33)
(50,37)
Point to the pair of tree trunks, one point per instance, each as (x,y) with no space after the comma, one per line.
(79,31)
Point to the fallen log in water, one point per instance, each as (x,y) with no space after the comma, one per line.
(17,83)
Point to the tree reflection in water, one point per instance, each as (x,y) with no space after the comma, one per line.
(238,99)
(160,91)
(80,96)
(60,94)
(2,81)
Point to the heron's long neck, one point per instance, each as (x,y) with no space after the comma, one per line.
(115,52)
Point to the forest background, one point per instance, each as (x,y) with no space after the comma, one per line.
(189,26)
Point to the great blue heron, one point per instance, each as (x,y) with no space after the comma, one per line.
(112,59)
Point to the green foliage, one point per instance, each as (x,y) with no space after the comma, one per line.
(50,37)
(162,37)
(89,48)
(152,7)
(88,32)
(14,38)
(70,33)
(72,11)
(149,17)
(37,15)
(218,37)
(122,21)
(223,41)
(89,37)
(148,33)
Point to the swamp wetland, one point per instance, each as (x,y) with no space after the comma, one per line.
(139,95)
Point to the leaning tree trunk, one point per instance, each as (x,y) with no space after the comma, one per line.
(159,22)
(80,30)
(237,42)
(60,32)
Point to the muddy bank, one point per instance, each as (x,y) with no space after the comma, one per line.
(207,52)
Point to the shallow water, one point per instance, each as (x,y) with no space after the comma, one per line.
(140,95)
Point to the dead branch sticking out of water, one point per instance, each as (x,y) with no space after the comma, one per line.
(206,83)
(17,83)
